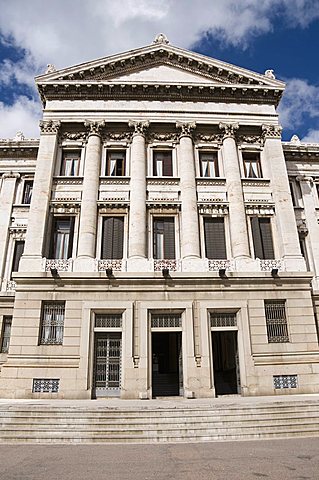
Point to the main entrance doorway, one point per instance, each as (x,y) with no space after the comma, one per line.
(167,375)
(107,364)
(225,362)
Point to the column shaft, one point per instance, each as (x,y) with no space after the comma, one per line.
(190,231)
(88,216)
(237,213)
(39,209)
(137,221)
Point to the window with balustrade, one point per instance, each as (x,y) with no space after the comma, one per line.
(162,163)
(262,237)
(215,241)
(252,166)
(6,333)
(208,163)
(115,163)
(164,238)
(52,323)
(112,237)
(70,164)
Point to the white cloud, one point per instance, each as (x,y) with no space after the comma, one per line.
(311,137)
(300,100)
(23,115)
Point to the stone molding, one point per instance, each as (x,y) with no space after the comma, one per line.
(75,136)
(229,129)
(140,127)
(49,127)
(271,131)
(18,232)
(10,175)
(305,178)
(302,228)
(250,139)
(210,138)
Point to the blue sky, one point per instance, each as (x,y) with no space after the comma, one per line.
(279,34)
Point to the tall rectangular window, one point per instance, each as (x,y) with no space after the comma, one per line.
(164,238)
(252,167)
(215,242)
(162,163)
(17,254)
(27,192)
(112,238)
(62,237)
(262,238)
(208,164)
(115,163)
(52,323)
(276,321)
(70,163)
(6,332)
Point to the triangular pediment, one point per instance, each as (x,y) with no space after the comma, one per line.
(159,63)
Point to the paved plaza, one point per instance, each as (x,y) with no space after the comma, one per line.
(294,459)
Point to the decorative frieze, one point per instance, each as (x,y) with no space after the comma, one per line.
(65,208)
(209,138)
(213,209)
(125,136)
(269,265)
(216,265)
(114,181)
(18,232)
(61,265)
(49,127)
(116,265)
(10,175)
(250,139)
(171,264)
(162,137)
(74,136)
(260,209)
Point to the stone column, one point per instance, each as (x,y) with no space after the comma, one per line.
(31,260)
(85,260)
(137,241)
(190,245)
(8,188)
(285,216)
(237,212)
(309,204)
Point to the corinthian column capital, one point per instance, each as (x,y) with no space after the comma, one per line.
(271,131)
(49,127)
(94,128)
(186,128)
(140,127)
(229,129)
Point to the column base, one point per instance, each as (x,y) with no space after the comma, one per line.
(31,263)
(84,264)
(139,264)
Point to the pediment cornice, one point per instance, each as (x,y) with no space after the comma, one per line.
(106,73)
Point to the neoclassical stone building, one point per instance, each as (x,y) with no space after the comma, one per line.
(151,243)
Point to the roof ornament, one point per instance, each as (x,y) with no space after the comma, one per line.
(270,74)
(295,139)
(161,38)
(19,137)
(51,68)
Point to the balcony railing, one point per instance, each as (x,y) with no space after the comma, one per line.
(171,264)
(11,286)
(116,265)
(269,265)
(61,265)
(216,265)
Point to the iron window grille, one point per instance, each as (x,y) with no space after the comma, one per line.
(108,320)
(52,323)
(223,319)
(6,332)
(45,385)
(285,381)
(166,320)
(276,321)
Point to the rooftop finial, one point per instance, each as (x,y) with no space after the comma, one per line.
(161,38)
(295,139)
(50,68)
(270,74)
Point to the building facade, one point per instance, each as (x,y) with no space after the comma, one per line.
(159,238)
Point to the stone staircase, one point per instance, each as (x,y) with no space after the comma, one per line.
(157,421)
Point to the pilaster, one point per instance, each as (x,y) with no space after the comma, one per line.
(31,260)
(286,223)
